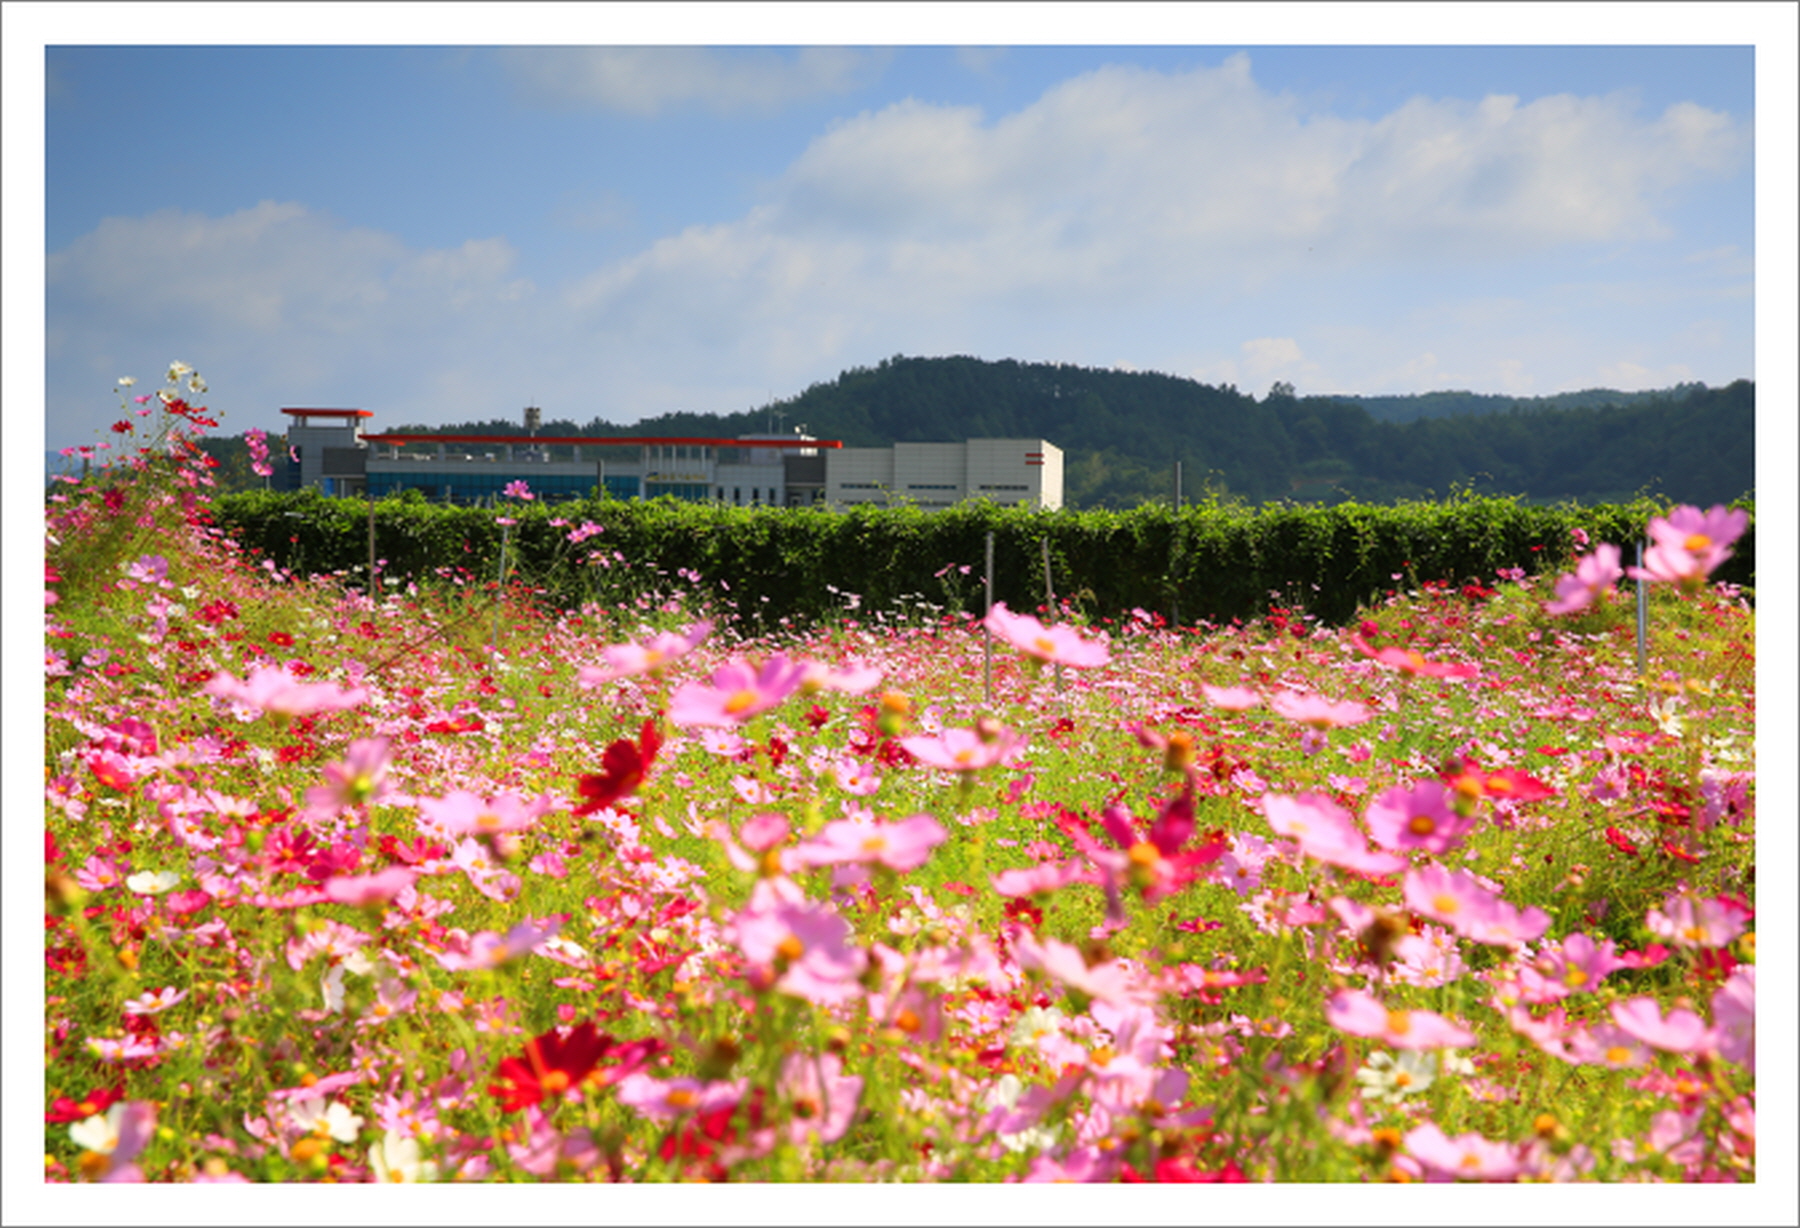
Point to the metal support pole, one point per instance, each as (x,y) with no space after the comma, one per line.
(370,492)
(987,647)
(1643,610)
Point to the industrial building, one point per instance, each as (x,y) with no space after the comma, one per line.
(330,450)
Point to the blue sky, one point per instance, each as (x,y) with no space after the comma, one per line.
(444,233)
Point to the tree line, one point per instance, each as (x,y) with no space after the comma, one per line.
(1123,432)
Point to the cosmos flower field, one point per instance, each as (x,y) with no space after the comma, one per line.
(441,886)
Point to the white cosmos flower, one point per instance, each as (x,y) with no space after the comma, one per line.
(396,1158)
(335,1120)
(152,882)
(1387,1078)
(99,1133)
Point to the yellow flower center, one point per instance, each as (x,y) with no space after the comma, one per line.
(555,1081)
(1618,1055)
(1399,1022)
(1044,644)
(740,700)
(1696,542)
(1143,853)
(874,843)
(1422,825)
(681,1098)
(1575,977)
(1445,902)
(790,948)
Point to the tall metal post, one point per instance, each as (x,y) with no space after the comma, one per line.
(987,647)
(1643,610)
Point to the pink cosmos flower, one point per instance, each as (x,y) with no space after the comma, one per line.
(270,688)
(461,813)
(1682,1031)
(629,660)
(1106,982)
(1734,1018)
(487,949)
(736,692)
(1045,878)
(1317,712)
(806,945)
(1466,1155)
(1577,965)
(368,889)
(1362,1014)
(1691,923)
(1058,645)
(1410,662)
(823,1097)
(1230,698)
(154,1002)
(1705,537)
(1421,817)
(900,846)
(1463,904)
(1327,833)
(1594,574)
(964,750)
(360,779)
(856,680)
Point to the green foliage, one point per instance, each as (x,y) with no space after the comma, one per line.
(800,567)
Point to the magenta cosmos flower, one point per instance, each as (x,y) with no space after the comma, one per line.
(1059,645)
(629,660)
(964,750)
(1327,833)
(1317,712)
(1594,574)
(736,692)
(270,688)
(1421,817)
(900,846)
(1362,1014)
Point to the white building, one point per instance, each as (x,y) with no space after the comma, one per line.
(938,475)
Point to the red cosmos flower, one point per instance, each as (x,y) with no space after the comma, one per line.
(64,1109)
(1621,841)
(1470,782)
(469,723)
(552,1065)
(623,767)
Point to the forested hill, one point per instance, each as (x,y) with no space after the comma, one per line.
(1121,433)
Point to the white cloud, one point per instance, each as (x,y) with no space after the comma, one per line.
(649,80)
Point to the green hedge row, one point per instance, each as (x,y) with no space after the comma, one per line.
(1208,561)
